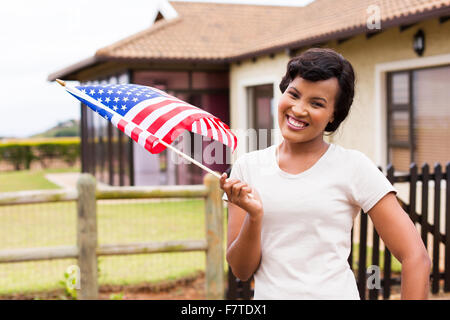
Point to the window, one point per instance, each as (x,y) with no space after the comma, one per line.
(260,116)
(419,117)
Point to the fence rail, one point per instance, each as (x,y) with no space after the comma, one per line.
(87,249)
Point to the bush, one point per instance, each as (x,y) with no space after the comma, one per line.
(21,153)
(20,156)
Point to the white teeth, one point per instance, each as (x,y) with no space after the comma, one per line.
(296,123)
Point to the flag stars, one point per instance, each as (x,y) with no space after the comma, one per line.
(118,92)
(92,92)
(116,99)
(125,99)
(100,91)
(129,92)
(110,91)
(107,99)
(115,108)
(124,107)
(135,99)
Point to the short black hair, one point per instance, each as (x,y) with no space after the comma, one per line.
(317,64)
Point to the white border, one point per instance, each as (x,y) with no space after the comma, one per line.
(381,70)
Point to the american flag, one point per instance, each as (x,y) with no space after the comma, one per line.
(143,113)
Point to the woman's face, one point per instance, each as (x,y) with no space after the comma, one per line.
(309,102)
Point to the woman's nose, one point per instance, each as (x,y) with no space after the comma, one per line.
(299,109)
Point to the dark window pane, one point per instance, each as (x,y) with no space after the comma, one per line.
(432,115)
(400,126)
(400,88)
(261,115)
(400,158)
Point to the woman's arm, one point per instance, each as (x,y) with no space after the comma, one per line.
(244,228)
(401,237)
(244,242)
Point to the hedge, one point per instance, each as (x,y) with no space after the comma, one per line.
(21,153)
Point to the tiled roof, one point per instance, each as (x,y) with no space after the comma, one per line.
(324,20)
(217,31)
(204,31)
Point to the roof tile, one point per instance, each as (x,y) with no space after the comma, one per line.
(217,31)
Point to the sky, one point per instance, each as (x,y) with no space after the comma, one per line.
(41,37)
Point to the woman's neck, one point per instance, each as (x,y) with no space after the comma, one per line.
(303,149)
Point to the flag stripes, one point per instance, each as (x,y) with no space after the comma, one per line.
(147,114)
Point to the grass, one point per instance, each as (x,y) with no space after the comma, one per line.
(54,224)
(29,179)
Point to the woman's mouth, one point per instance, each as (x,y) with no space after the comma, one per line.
(295,124)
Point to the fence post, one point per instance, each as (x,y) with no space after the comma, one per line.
(214,273)
(87,237)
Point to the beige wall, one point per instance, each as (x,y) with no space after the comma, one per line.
(365,127)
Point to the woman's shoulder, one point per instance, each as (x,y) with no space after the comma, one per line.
(351,157)
(256,159)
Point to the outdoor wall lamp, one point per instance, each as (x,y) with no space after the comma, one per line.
(419,42)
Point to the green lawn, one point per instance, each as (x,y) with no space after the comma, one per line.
(29,179)
(54,224)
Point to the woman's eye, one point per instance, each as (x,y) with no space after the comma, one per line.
(293,94)
(317,104)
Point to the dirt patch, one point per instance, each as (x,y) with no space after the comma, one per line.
(187,288)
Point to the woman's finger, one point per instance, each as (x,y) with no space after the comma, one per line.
(236,189)
(228,187)
(228,184)
(223,179)
(247,189)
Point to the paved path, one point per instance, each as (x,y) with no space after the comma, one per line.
(68,179)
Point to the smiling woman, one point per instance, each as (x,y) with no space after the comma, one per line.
(294,233)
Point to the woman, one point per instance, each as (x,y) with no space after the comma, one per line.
(291,207)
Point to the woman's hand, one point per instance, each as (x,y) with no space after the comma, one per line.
(242,195)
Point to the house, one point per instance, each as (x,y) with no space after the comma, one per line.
(229,60)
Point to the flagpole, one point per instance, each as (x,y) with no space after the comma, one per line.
(88,98)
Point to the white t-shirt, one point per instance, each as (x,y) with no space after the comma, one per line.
(307,222)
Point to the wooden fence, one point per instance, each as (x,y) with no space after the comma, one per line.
(244,290)
(87,249)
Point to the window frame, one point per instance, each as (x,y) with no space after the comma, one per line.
(391,108)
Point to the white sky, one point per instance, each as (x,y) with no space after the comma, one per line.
(41,37)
